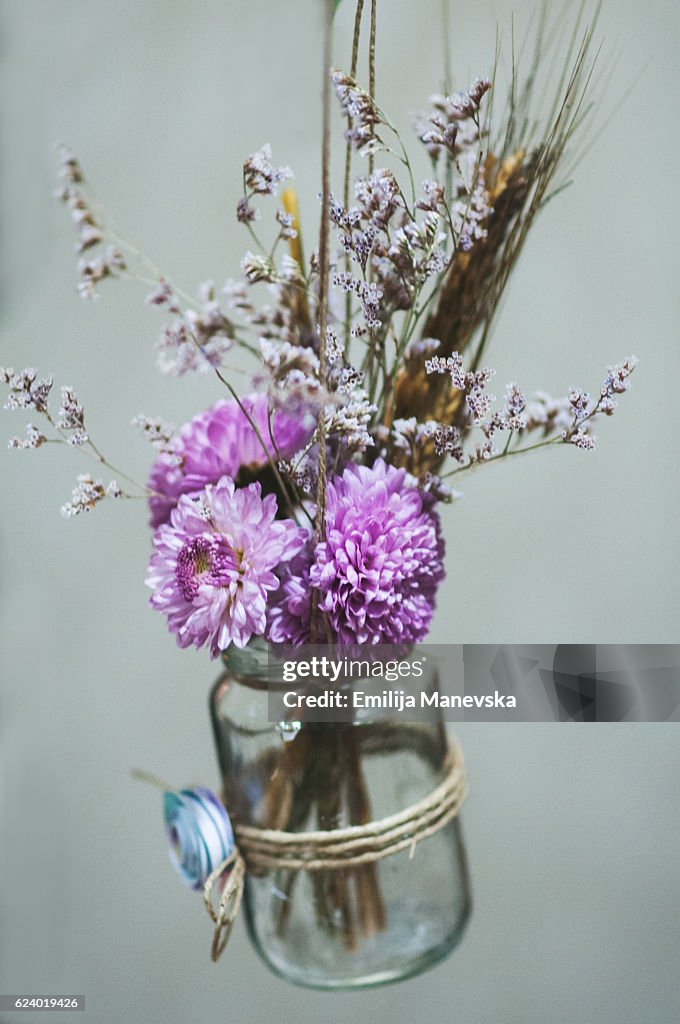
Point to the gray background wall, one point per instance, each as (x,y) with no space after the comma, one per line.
(572,832)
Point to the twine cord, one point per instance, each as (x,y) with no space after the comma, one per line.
(260,850)
(230,900)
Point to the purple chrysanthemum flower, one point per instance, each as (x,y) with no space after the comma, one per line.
(289,609)
(221,442)
(378,570)
(212,567)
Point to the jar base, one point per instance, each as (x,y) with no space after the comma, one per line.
(410,968)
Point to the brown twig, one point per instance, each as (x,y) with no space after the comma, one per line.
(320,518)
(348,162)
(371,69)
(371,902)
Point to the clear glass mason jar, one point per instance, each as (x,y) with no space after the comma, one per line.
(339,928)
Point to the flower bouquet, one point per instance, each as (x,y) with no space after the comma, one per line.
(305,508)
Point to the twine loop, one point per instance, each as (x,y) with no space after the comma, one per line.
(230,900)
(260,850)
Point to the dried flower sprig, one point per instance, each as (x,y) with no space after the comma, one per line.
(158,433)
(29,392)
(199,334)
(34,439)
(194,340)
(108,263)
(88,493)
(569,420)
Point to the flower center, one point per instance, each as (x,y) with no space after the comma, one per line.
(207,560)
(194,561)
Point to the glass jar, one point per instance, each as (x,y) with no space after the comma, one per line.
(349,927)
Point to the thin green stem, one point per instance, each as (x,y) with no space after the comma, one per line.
(503,455)
(109,465)
(272,463)
(158,275)
(92,452)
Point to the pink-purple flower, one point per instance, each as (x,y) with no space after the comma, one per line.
(212,567)
(289,609)
(222,442)
(378,569)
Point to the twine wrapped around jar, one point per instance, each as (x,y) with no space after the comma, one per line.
(260,850)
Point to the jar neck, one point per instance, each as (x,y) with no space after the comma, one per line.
(249,664)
